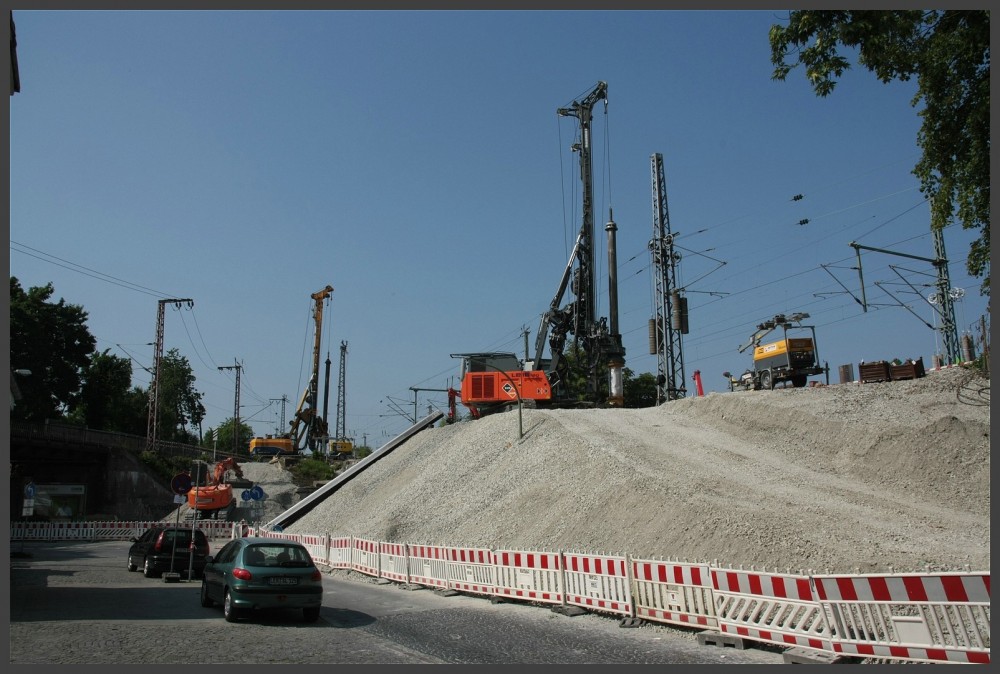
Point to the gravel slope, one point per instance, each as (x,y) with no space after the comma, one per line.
(872,478)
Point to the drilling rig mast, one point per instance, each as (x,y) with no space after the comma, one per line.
(307,426)
(579,317)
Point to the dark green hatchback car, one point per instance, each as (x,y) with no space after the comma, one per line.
(250,574)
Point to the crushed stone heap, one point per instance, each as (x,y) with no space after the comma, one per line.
(873,478)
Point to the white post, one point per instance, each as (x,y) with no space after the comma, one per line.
(194,520)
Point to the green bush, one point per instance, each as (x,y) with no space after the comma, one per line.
(312,469)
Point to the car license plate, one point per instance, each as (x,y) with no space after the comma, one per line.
(281,580)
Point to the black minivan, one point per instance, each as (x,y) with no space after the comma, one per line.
(155,548)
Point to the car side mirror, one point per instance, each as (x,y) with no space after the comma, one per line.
(134,539)
(209,559)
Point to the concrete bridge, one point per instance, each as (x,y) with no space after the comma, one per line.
(79,473)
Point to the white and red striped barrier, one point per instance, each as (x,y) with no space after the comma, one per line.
(365,556)
(393,562)
(775,608)
(317,547)
(674,592)
(471,570)
(918,617)
(598,582)
(533,576)
(428,565)
(339,552)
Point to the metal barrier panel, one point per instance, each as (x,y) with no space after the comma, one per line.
(215,529)
(471,570)
(71,531)
(392,562)
(920,617)
(775,608)
(29,531)
(535,576)
(365,556)
(339,555)
(428,565)
(117,531)
(316,545)
(674,592)
(597,582)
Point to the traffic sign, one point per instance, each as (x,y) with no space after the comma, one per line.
(29,490)
(245,495)
(257,494)
(181,484)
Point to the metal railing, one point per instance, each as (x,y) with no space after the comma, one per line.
(49,432)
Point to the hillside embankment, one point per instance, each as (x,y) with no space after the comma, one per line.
(874,478)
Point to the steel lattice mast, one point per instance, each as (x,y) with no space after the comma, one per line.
(153,419)
(664,335)
(949,328)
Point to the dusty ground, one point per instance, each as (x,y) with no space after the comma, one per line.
(874,478)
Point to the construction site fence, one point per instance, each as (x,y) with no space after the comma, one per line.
(913,617)
(941,617)
(107,531)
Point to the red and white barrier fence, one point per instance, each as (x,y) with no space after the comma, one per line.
(317,547)
(770,607)
(393,562)
(674,592)
(598,582)
(428,565)
(471,570)
(339,552)
(365,556)
(533,576)
(928,618)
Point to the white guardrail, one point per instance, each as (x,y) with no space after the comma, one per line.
(914,617)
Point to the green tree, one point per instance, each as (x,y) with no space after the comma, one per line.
(104,392)
(639,391)
(948,51)
(134,414)
(225,432)
(178,401)
(52,340)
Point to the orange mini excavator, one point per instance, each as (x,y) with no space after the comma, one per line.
(209,500)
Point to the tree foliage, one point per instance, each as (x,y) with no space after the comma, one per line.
(222,439)
(179,402)
(948,52)
(638,391)
(51,340)
(104,396)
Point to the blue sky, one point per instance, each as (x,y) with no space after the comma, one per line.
(414,161)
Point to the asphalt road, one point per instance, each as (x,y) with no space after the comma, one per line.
(75,603)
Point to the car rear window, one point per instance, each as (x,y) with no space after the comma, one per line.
(183,536)
(277,554)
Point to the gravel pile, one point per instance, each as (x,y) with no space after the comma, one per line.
(845,478)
